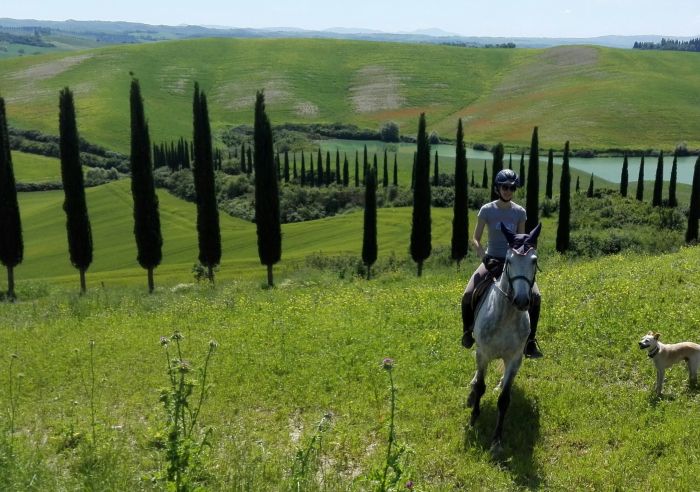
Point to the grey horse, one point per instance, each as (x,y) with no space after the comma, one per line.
(502,323)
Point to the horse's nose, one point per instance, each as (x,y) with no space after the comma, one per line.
(522,301)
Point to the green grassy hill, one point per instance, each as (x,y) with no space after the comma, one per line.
(595,97)
(110,209)
(582,418)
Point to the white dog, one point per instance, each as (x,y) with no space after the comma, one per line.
(664,356)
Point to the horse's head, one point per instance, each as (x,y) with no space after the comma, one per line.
(521,264)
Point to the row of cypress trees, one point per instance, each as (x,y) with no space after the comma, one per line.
(146,215)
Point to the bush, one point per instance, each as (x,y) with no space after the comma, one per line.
(434,138)
(98,176)
(389,132)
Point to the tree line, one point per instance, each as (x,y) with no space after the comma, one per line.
(669,45)
(264,164)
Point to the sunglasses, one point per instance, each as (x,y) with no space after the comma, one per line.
(509,187)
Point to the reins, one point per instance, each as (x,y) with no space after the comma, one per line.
(506,272)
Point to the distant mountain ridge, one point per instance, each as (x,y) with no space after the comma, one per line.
(111,32)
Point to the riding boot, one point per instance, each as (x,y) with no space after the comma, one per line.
(532,350)
(467,321)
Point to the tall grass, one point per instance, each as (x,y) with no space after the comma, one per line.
(584,417)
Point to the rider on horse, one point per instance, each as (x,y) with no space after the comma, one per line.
(491,215)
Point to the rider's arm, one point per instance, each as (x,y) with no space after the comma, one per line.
(476,239)
(521,227)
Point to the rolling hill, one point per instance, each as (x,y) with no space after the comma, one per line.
(595,97)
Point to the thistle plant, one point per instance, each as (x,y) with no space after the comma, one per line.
(393,469)
(184,447)
(302,467)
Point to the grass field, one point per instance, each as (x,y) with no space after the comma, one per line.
(595,97)
(33,168)
(310,350)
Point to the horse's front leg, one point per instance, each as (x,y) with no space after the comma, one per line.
(478,385)
(504,398)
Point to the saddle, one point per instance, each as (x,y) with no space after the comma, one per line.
(495,269)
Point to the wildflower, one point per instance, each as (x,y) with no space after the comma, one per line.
(177,336)
(164,341)
(14,356)
(388,363)
(91,343)
(213,344)
(409,485)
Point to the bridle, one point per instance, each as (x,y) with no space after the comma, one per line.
(506,272)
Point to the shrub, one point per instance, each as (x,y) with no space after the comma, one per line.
(389,132)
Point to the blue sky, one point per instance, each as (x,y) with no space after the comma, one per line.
(509,18)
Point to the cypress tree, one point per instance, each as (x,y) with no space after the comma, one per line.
(658,181)
(672,200)
(365,164)
(385,181)
(338,176)
(357,170)
(521,174)
(286,166)
(375,170)
(589,193)
(267,207)
(624,177)
(278,164)
(578,184)
(485,178)
(328,168)
(303,170)
(436,171)
(564,225)
(496,166)
(244,166)
(250,160)
(74,204)
(369,237)
(396,172)
(319,169)
(460,215)
(550,175)
(473,183)
(510,161)
(149,241)
(208,230)
(691,234)
(532,207)
(421,227)
(346,171)
(294,166)
(312,171)
(640,181)
(11,242)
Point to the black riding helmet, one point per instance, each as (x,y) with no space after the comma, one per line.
(505,177)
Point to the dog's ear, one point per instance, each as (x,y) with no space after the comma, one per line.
(657,335)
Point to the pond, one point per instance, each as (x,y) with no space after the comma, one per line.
(607,168)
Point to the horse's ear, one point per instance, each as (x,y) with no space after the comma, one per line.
(535,233)
(510,235)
